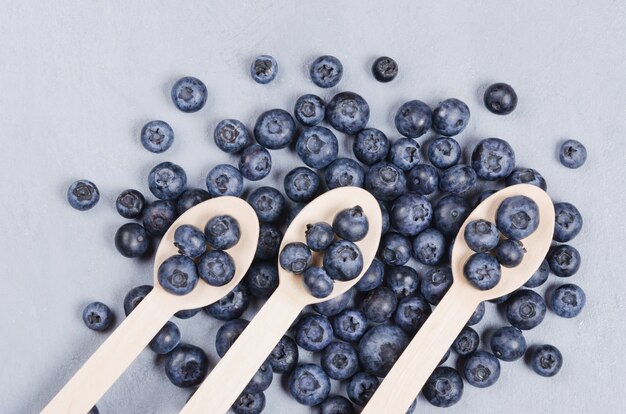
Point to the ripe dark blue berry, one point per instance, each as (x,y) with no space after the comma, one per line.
(130,204)
(481,369)
(361,388)
(166,339)
(451,117)
(370,146)
(186,366)
(309,110)
(301,184)
(190,241)
(97,316)
(83,195)
(344,172)
(343,260)
(275,129)
(319,236)
(444,152)
(309,384)
(189,94)
(264,69)
(466,342)
(482,270)
(413,119)
(255,162)
(568,300)
(226,180)
(493,159)
(157,136)
(347,112)
(444,387)
(158,216)
(525,309)
(317,146)
(131,240)
(508,343)
(178,275)
(216,267)
(422,179)
(500,99)
(517,217)
(572,154)
(222,232)
(167,181)
(564,260)
(268,204)
(384,69)
(546,360)
(295,257)
(231,136)
(568,222)
(191,198)
(326,71)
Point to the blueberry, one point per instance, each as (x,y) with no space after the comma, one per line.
(394,249)
(568,300)
(309,384)
(166,339)
(231,136)
(481,236)
(525,309)
(335,305)
(97,316)
(134,297)
(317,281)
(326,71)
(517,217)
(225,180)
(405,153)
(478,314)
(481,369)
(268,204)
(309,110)
(249,403)
(222,232)
(413,119)
(372,278)
(457,179)
(301,184)
(314,332)
(402,280)
(379,304)
(508,343)
(526,176)
(275,129)
(231,306)
(540,276)
(131,240)
(284,356)
(380,348)
(484,195)
(264,69)
(572,154)
(336,404)
(361,388)
(319,236)
(295,257)
(262,279)
(130,204)
(269,242)
(227,334)
(429,247)
(178,275)
(568,222)
(255,163)
(444,152)
(191,198)
(187,313)
(216,267)
(449,214)
(466,342)
(343,260)
(384,69)
(500,99)
(411,214)
(167,181)
(451,117)
(482,270)
(422,179)
(344,172)
(370,146)
(493,159)
(411,313)
(444,387)
(157,136)
(510,252)
(339,360)
(190,241)
(317,146)
(546,360)
(189,94)
(158,216)
(347,112)
(351,224)
(349,325)
(261,380)
(186,366)
(436,283)
(564,260)
(385,217)
(83,195)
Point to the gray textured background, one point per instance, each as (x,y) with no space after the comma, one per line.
(79,78)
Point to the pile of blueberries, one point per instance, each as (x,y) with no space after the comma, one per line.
(424,194)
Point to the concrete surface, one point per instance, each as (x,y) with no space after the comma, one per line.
(78,79)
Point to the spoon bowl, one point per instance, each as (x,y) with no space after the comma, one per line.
(409,373)
(112,358)
(231,375)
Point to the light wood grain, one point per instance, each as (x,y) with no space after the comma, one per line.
(231,375)
(421,357)
(112,358)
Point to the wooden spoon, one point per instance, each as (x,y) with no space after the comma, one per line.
(408,375)
(112,358)
(231,375)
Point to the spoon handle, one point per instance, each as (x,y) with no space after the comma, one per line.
(408,375)
(233,372)
(112,358)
